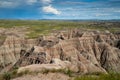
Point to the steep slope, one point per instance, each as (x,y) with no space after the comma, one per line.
(87,51)
(11,48)
(12,43)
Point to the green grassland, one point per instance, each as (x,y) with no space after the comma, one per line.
(37,27)
(93,76)
(111,76)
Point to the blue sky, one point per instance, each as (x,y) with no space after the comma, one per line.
(59,9)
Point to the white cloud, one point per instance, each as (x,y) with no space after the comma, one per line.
(15,3)
(46,1)
(50,9)
(30,2)
(7,4)
(117,11)
(74,2)
(102,14)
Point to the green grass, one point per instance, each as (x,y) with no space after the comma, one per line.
(64,71)
(38,27)
(111,76)
(95,76)
(13,74)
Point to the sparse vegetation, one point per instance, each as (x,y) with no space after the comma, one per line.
(111,76)
(2,39)
(68,72)
(94,76)
(13,74)
(64,71)
(37,27)
(7,76)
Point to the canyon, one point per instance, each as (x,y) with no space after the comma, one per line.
(80,51)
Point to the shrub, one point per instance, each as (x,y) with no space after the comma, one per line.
(6,76)
(23,73)
(68,72)
(45,71)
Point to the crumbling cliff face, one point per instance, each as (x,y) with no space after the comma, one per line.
(12,43)
(11,49)
(82,51)
(87,51)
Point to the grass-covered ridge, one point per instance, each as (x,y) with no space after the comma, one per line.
(37,27)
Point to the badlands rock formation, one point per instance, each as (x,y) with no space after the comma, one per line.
(81,51)
(84,51)
(12,43)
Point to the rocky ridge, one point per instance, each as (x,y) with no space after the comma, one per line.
(84,51)
(12,43)
(81,51)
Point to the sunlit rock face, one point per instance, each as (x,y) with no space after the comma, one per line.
(83,51)
(10,50)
